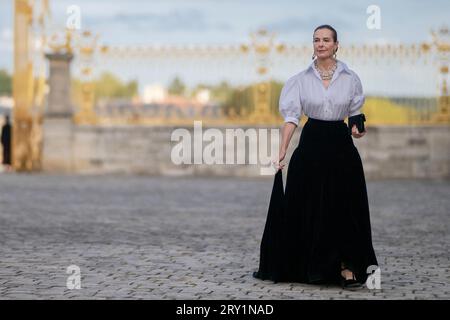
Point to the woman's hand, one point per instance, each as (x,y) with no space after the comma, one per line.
(286,134)
(281,156)
(355,132)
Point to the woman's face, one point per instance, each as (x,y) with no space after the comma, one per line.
(324,45)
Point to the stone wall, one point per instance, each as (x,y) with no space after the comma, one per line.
(386,152)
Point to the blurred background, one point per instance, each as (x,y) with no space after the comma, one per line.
(99,86)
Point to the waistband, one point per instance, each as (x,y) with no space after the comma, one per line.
(325,121)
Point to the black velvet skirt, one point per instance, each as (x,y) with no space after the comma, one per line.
(321,219)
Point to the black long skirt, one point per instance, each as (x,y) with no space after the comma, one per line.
(321,219)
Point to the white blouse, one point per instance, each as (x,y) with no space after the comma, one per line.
(305,93)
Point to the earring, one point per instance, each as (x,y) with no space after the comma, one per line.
(335,55)
(313,56)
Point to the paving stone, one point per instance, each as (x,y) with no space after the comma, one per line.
(141,237)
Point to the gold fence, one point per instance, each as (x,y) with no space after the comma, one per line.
(261,58)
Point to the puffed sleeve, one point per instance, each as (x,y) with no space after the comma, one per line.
(289,104)
(358,97)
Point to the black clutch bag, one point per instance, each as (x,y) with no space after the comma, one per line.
(358,120)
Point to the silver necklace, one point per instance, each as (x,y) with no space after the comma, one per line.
(328,74)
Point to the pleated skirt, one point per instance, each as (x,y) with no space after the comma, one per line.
(321,219)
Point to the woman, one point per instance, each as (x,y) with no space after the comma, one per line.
(318,229)
(6,143)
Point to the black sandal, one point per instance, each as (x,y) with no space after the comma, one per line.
(349,283)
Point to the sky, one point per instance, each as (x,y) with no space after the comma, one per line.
(150,22)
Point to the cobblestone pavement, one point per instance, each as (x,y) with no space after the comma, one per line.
(137,237)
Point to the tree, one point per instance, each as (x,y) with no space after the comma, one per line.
(5,83)
(176,87)
(110,86)
(238,99)
(106,86)
(275,90)
(222,92)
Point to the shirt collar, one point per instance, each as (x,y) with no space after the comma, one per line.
(341,66)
